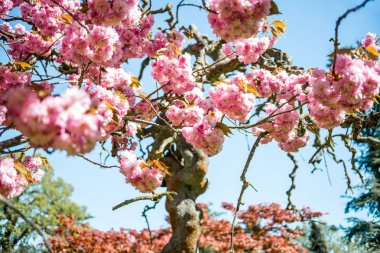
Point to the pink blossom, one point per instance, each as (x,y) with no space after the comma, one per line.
(174,74)
(3,111)
(184,115)
(143,177)
(295,143)
(249,50)
(120,12)
(28,44)
(47,17)
(265,82)
(235,19)
(12,183)
(233,100)
(205,136)
(59,122)
(5,7)
(101,45)
(357,84)
(370,40)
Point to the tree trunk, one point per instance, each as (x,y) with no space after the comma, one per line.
(188,181)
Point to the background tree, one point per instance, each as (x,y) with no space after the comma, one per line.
(44,203)
(267,228)
(367,231)
(322,237)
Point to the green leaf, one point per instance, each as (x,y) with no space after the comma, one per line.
(274,9)
(226,130)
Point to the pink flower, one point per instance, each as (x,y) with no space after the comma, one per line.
(235,19)
(101,45)
(143,177)
(249,50)
(3,111)
(232,100)
(185,115)
(120,12)
(59,122)
(5,7)
(12,183)
(174,74)
(205,136)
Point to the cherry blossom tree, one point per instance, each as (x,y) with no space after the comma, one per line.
(65,85)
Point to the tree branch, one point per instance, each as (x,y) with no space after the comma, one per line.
(154,197)
(246,184)
(30,222)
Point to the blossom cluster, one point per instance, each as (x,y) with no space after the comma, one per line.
(233,19)
(98,44)
(281,126)
(248,50)
(232,100)
(28,43)
(354,85)
(10,79)
(115,13)
(48,17)
(205,136)
(182,115)
(143,177)
(62,122)
(370,41)
(12,182)
(5,7)
(110,108)
(174,74)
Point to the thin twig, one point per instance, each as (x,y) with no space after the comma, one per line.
(145,216)
(98,164)
(154,197)
(337,24)
(292,187)
(245,185)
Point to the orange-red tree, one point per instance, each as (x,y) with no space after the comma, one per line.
(261,228)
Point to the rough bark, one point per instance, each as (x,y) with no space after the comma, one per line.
(188,180)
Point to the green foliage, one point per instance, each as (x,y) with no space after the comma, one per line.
(43,203)
(322,238)
(317,239)
(367,232)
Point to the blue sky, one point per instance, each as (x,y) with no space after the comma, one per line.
(310,26)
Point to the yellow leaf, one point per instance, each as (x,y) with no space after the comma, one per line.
(66,18)
(47,38)
(372,50)
(121,95)
(375,100)
(274,32)
(226,130)
(251,89)
(114,110)
(23,65)
(23,171)
(220,82)
(135,83)
(45,162)
(341,51)
(279,23)
(161,166)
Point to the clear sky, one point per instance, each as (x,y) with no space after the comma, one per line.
(310,26)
